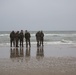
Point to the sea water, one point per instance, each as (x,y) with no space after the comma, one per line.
(56,43)
(50,37)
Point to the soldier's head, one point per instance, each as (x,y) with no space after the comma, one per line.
(41,31)
(25,30)
(13,31)
(17,31)
(21,30)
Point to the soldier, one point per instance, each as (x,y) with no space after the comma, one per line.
(38,38)
(17,38)
(27,38)
(21,37)
(12,38)
(41,38)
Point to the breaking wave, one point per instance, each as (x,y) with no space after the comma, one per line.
(45,43)
(49,38)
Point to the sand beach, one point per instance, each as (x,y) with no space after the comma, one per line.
(49,60)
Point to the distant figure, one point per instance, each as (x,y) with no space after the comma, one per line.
(27,38)
(17,38)
(38,38)
(41,38)
(12,38)
(21,37)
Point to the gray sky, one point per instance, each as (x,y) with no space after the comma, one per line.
(37,15)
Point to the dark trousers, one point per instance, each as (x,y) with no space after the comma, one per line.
(38,41)
(27,42)
(16,43)
(41,41)
(21,43)
(12,41)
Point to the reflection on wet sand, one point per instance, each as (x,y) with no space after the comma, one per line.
(27,54)
(15,52)
(21,52)
(40,53)
(21,55)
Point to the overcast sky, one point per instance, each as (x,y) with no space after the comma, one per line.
(37,15)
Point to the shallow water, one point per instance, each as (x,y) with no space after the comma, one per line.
(46,51)
(50,37)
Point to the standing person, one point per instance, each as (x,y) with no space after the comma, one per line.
(41,38)
(38,38)
(27,38)
(21,37)
(12,38)
(17,38)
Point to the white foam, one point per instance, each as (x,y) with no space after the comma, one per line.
(62,35)
(4,34)
(46,34)
(45,43)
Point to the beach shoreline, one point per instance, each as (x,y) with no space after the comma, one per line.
(52,60)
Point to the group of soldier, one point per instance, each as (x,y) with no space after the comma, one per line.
(17,38)
(39,38)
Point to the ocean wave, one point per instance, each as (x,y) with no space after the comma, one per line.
(59,42)
(45,43)
(4,34)
(54,35)
(57,35)
(60,35)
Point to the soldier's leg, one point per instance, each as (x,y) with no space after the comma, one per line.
(10,42)
(26,43)
(42,42)
(14,43)
(20,43)
(38,43)
(29,43)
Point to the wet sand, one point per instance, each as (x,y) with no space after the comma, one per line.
(49,60)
